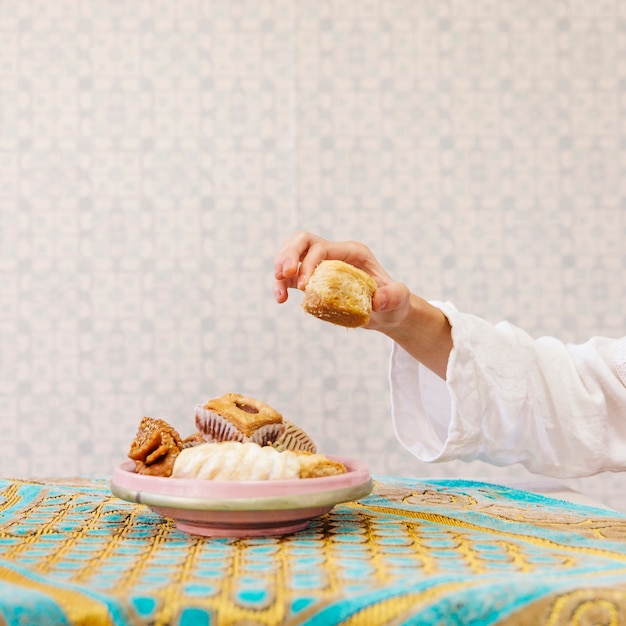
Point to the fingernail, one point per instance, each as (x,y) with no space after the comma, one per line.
(279,293)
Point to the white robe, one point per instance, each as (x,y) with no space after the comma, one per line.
(558,409)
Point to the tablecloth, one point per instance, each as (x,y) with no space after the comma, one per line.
(413,552)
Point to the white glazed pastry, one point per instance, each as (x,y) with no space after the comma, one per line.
(233,460)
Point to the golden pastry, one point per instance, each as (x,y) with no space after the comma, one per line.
(340,293)
(234,417)
(155,447)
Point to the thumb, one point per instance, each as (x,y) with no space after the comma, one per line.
(389,297)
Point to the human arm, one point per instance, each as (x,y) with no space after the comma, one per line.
(463,388)
(558,409)
(409,320)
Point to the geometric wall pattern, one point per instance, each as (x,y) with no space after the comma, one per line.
(154,155)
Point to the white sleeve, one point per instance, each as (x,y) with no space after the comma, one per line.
(558,409)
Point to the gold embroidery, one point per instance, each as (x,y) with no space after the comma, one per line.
(121,551)
(80,609)
(391,608)
(446,520)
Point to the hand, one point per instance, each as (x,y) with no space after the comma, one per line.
(302,253)
(412,322)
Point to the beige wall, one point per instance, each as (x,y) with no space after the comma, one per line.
(153,155)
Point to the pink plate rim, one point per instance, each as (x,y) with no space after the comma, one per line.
(124,477)
(242,508)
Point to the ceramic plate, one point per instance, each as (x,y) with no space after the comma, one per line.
(242,508)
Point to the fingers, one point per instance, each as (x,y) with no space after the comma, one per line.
(287,264)
(282,285)
(287,259)
(296,261)
(280,291)
(317,252)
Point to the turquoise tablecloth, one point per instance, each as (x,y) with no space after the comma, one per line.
(413,552)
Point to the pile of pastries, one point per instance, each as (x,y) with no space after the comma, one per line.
(236,438)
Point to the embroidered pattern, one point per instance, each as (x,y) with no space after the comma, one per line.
(74,554)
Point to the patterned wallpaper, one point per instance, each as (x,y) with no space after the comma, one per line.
(154,155)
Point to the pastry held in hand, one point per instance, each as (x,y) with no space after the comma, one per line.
(234,417)
(232,460)
(340,293)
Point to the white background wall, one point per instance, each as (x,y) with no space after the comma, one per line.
(155,154)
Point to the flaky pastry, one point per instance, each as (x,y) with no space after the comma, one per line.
(340,293)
